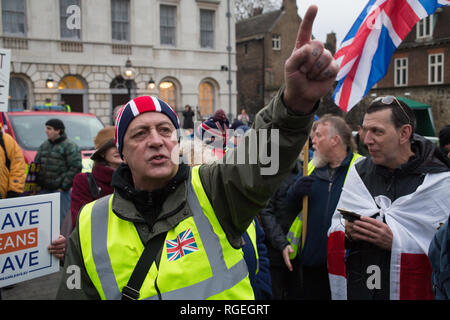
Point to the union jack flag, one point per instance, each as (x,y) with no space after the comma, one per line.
(182,245)
(366,51)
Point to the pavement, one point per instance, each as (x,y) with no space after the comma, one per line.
(42,288)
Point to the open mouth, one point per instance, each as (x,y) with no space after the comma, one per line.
(159,158)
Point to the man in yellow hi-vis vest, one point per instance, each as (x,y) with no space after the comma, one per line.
(191,220)
(333,156)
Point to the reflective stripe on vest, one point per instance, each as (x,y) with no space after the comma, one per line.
(295,231)
(251,231)
(212,270)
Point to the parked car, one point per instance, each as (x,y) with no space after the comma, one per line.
(28,128)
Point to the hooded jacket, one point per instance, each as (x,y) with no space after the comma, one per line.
(237,192)
(380,180)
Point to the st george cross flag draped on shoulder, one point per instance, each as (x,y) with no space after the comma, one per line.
(366,51)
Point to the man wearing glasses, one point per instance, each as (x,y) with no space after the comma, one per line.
(402,193)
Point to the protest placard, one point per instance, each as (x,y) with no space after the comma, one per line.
(5,60)
(27,227)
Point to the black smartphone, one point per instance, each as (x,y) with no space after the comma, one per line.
(350,216)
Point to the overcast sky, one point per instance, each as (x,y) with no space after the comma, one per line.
(333,15)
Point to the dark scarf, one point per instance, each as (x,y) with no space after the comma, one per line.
(149,204)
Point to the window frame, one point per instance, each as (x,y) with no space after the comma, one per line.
(276,42)
(421,27)
(173,42)
(211,31)
(433,68)
(13,99)
(24,14)
(128,29)
(202,99)
(401,72)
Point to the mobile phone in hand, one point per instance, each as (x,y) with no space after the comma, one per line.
(350,216)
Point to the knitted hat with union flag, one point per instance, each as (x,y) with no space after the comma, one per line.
(136,107)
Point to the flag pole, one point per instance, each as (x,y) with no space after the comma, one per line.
(305,198)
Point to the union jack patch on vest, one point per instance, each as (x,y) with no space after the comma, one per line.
(182,245)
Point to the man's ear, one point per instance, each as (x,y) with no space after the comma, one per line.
(405,133)
(336,140)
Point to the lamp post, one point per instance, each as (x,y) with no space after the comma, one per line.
(49,83)
(129,73)
(151,84)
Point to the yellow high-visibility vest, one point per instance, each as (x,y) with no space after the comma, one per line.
(197,261)
(294,234)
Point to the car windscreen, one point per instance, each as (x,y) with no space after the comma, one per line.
(30,129)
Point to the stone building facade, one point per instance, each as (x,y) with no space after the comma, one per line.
(179,47)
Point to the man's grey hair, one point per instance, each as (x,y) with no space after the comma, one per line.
(340,128)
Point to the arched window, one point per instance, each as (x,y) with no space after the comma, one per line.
(18,92)
(70,82)
(206,98)
(118,83)
(168,93)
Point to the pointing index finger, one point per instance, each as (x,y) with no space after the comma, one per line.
(305,30)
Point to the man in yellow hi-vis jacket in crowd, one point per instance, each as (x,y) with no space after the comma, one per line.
(333,156)
(171,232)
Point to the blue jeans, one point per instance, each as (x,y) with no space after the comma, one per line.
(64,200)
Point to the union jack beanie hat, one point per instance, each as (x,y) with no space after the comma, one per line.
(136,107)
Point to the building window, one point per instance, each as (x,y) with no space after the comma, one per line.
(206,99)
(168,93)
(70,82)
(13,17)
(401,72)
(436,68)
(276,42)
(425,27)
(18,92)
(120,20)
(168,24)
(69,16)
(206,28)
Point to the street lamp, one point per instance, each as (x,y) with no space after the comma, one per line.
(151,84)
(128,73)
(49,83)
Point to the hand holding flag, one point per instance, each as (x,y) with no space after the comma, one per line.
(310,71)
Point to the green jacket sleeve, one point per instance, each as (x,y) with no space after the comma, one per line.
(238,191)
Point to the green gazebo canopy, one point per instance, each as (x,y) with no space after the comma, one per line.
(424,117)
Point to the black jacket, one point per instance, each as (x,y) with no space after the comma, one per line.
(276,219)
(379,180)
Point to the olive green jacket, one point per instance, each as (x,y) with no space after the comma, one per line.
(237,192)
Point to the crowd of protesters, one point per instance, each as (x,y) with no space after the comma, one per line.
(336,225)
